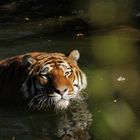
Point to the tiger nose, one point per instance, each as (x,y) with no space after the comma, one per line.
(61,91)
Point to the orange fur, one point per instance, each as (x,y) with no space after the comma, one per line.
(15,71)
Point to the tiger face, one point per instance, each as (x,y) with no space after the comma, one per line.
(53,80)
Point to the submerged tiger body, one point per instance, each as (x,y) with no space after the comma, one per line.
(42,79)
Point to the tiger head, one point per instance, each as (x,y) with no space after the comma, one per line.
(54,79)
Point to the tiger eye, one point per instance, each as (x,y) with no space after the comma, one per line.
(43,79)
(67,73)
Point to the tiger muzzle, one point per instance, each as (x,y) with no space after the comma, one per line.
(61,91)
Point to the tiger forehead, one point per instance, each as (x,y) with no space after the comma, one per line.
(49,56)
(53,59)
(46,62)
(56,64)
(46,58)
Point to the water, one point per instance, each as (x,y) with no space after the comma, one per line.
(111,64)
(24,125)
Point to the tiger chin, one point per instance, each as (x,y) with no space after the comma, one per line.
(43,79)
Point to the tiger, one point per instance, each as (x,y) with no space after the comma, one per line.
(42,79)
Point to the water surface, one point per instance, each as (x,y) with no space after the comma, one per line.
(110,61)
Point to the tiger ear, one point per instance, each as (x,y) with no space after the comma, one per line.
(28,60)
(74,55)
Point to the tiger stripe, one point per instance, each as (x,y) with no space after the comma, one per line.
(44,79)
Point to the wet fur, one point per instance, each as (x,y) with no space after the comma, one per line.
(20,79)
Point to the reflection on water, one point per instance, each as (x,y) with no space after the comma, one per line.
(72,124)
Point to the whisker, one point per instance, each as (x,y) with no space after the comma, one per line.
(39,104)
(52,101)
(42,104)
(36,97)
(49,102)
(51,95)
(31,103)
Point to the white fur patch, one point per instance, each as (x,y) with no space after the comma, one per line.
(61,104)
